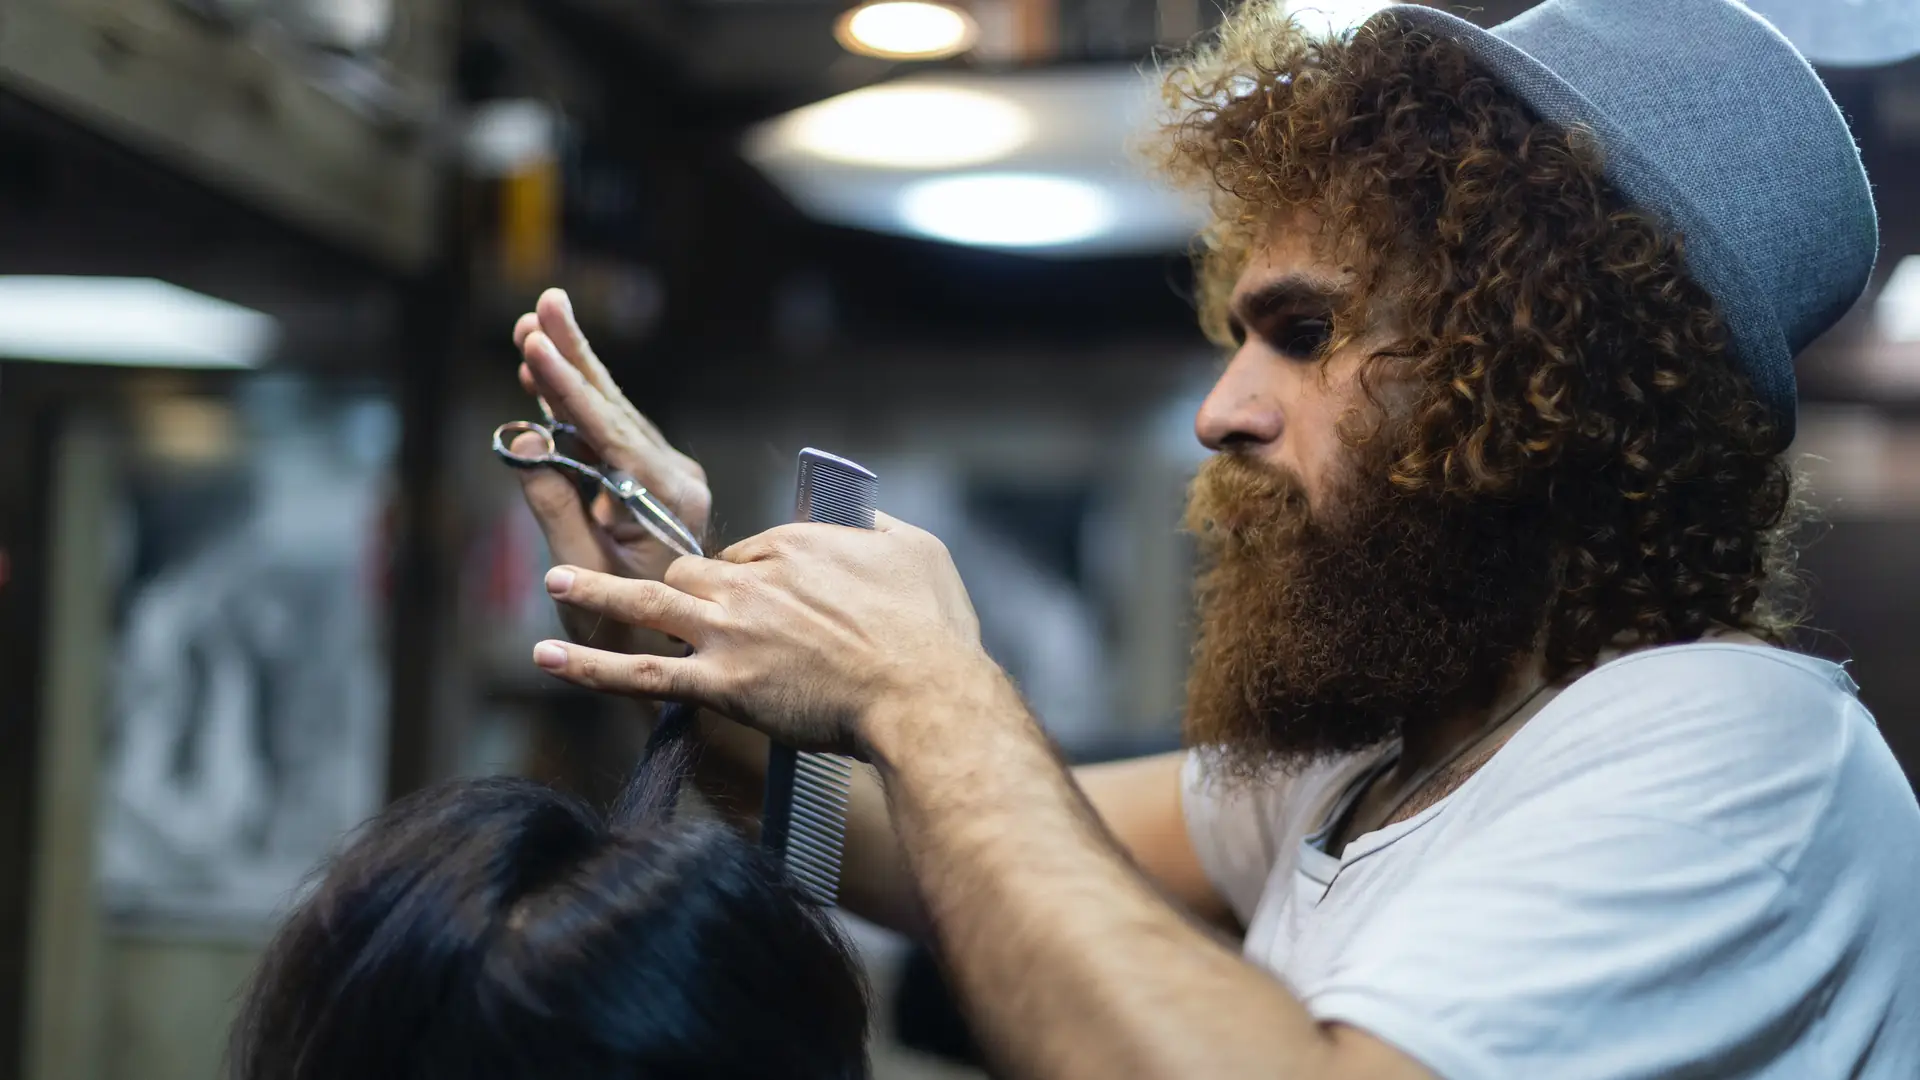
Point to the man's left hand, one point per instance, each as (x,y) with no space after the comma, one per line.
(799,631)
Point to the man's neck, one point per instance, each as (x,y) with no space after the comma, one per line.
(1425,746)
(1396,793)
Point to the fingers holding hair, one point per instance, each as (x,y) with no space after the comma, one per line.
(674,677)
(775,542)
(651,604)
(704,579)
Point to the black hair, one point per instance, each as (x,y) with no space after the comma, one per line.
(496,929)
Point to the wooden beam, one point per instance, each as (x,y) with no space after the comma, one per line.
(237,115)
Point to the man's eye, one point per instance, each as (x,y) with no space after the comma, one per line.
(1304,338)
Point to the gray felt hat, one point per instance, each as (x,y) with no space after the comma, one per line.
(1708,118)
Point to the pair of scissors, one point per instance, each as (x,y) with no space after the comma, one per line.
(562,448)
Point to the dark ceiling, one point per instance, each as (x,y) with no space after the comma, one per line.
(683,81)
(658,95)
(781,53)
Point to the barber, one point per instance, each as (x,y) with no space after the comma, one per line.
(1498,767)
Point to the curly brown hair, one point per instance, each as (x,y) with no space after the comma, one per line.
(1563,356)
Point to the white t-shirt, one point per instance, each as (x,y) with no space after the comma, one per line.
(1696,861)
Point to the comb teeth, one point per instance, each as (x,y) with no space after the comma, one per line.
(834,490)
(818,826)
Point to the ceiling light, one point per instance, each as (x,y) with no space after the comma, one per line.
(1332,18)
(1896,312)
(906,30)
(128,321)
(1014,210)
(902,126)
(1064,123)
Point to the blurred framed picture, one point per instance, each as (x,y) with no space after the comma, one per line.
(247,720)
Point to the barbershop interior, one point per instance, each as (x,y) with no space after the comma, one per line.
(262,571)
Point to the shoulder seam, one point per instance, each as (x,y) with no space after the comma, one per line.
(1768,653)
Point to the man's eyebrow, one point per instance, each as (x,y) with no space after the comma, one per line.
(1292,293)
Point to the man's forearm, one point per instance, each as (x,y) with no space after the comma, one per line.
(1072,965)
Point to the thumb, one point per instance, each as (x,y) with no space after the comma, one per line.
(570,532)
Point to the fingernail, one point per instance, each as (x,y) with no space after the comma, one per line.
(550,656)
(559,580)
(566,304)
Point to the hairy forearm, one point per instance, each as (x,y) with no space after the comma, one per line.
(1072,965)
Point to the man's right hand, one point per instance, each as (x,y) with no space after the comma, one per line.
(559,366)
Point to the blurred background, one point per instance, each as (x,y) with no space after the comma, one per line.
(259,260)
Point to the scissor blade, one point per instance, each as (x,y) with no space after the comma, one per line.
(654,516)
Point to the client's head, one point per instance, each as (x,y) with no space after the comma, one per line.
(499,929)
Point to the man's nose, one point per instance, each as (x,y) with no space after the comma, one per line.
(1242,408)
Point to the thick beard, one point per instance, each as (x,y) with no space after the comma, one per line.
(1323,634)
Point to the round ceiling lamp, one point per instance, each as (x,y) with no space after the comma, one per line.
(902,126)
(1008,210)
(906,30)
